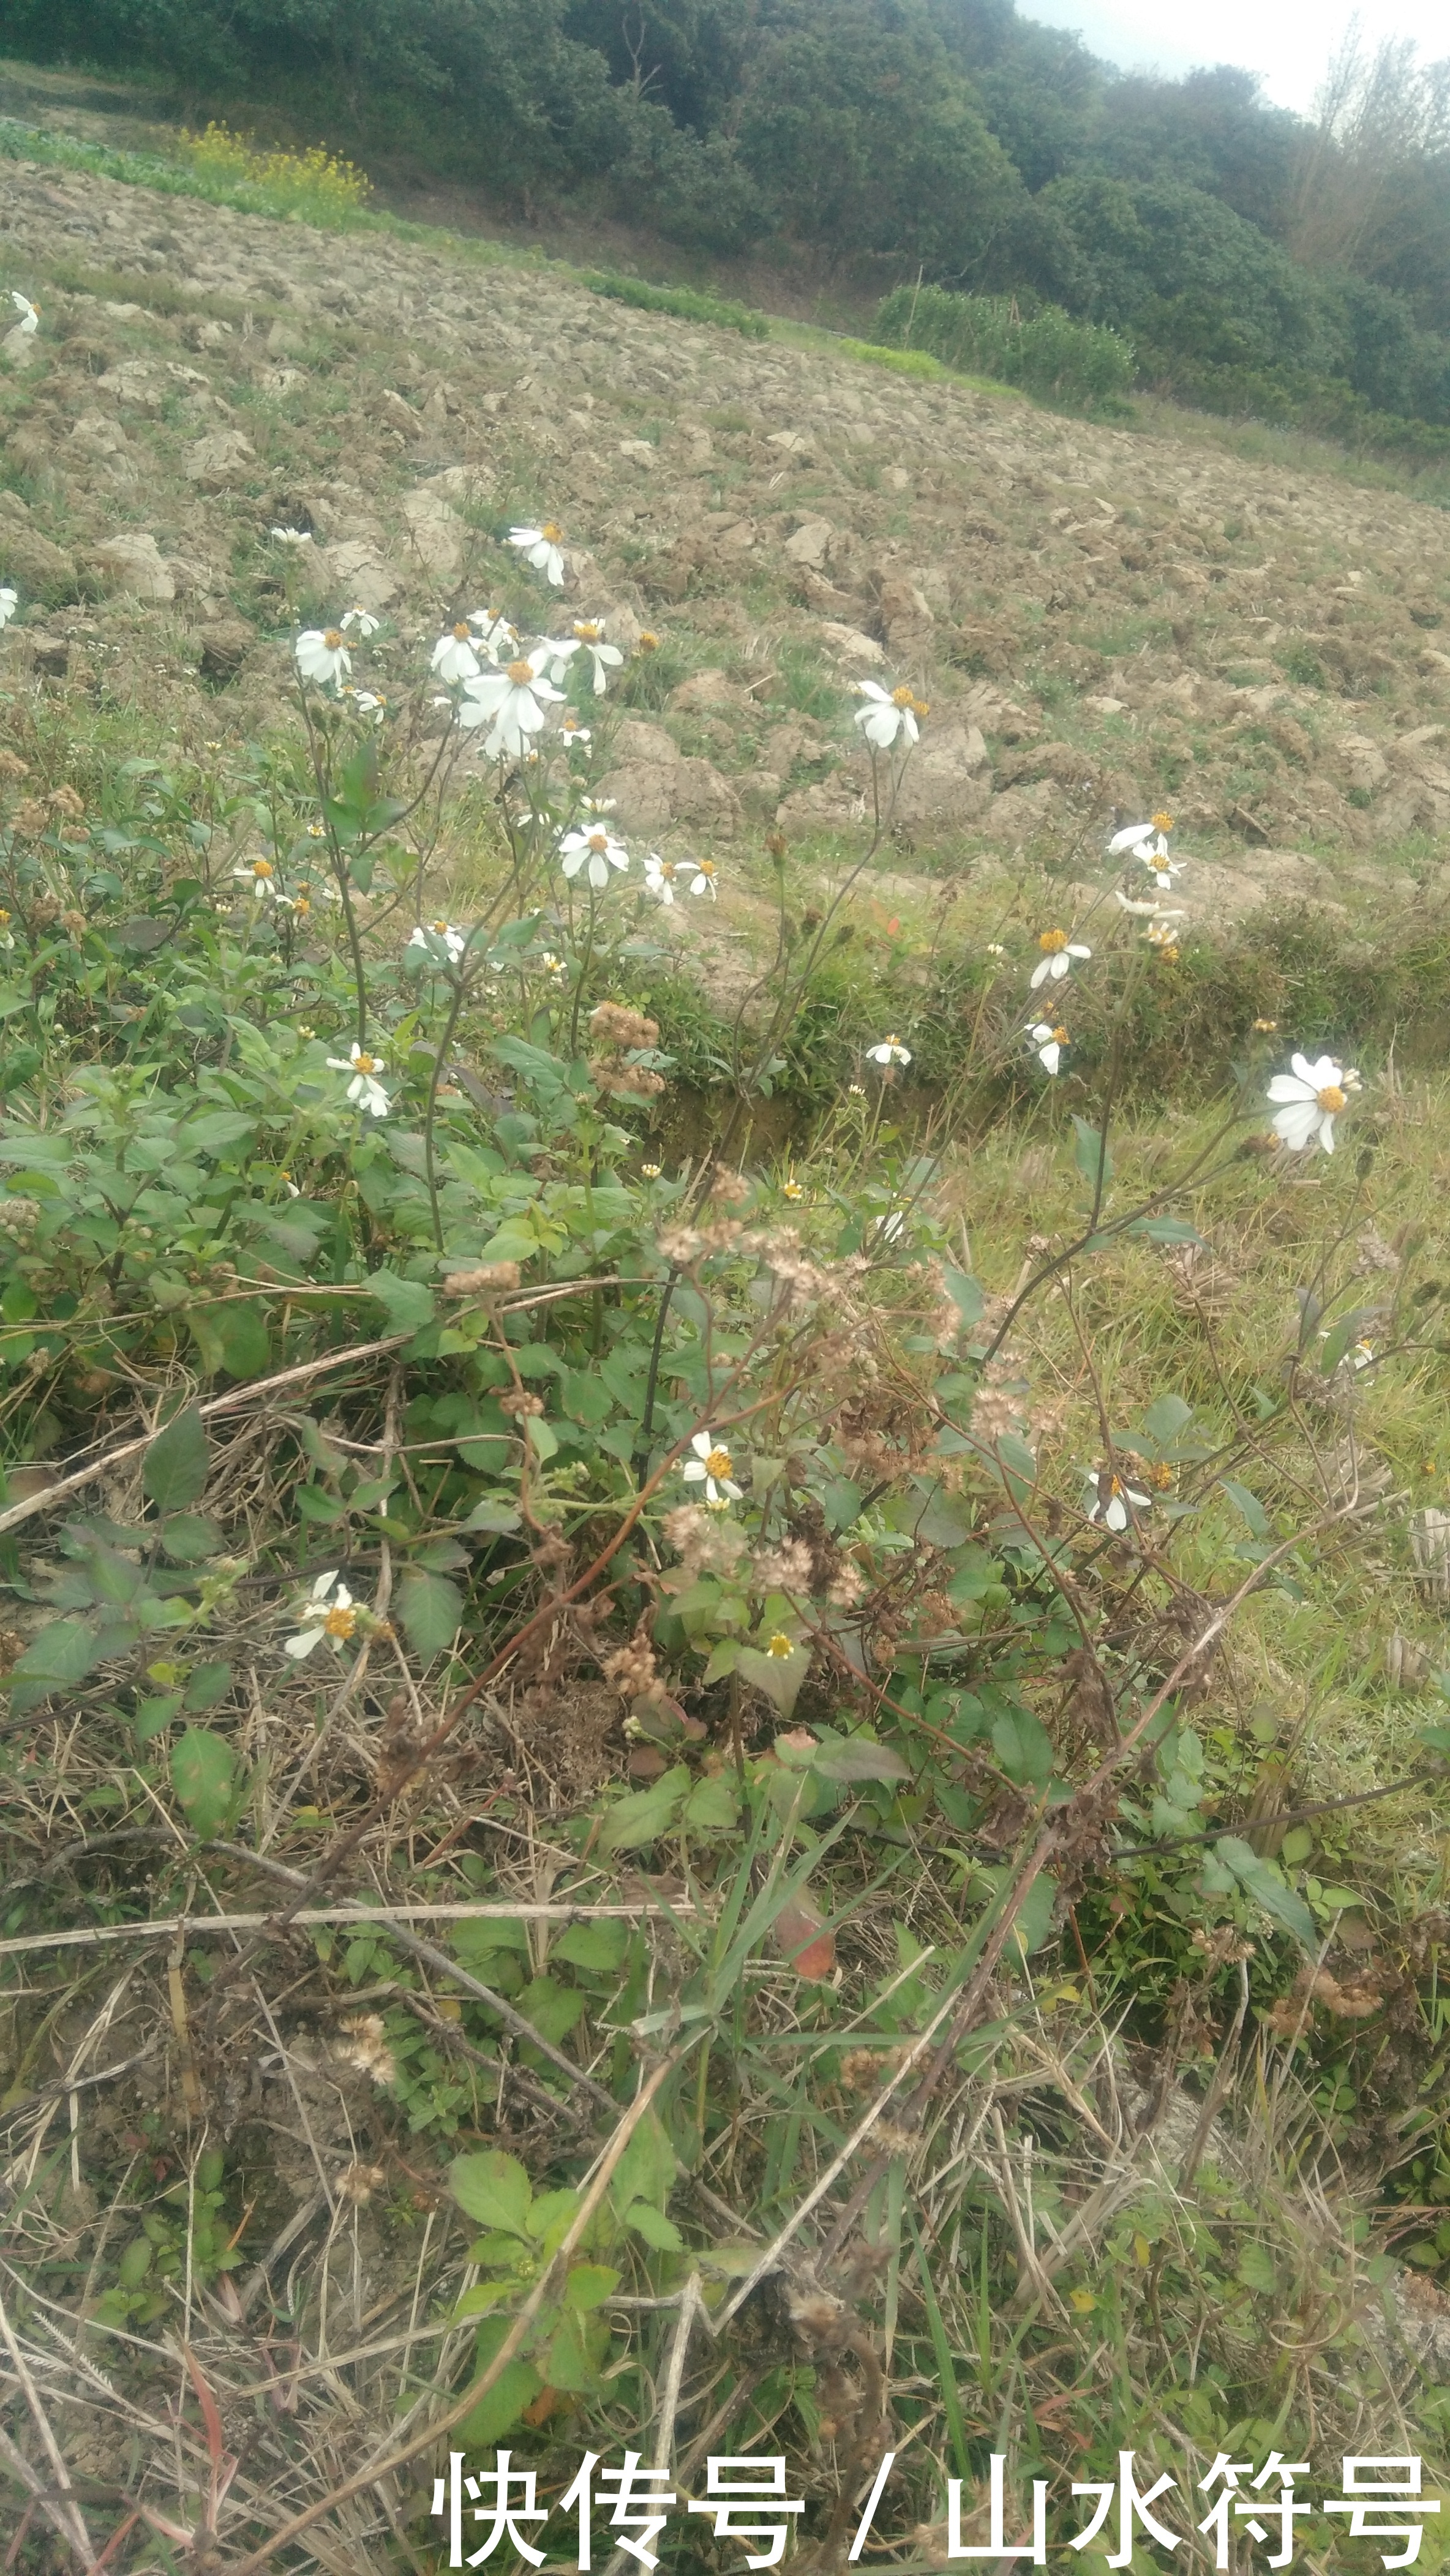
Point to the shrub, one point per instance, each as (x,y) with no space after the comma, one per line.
(1046,352)
(317,184)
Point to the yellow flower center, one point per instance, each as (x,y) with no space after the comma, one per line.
(570,723)
(890,1038)
(1162,822)
(705,867)
(461,634)
(1052,942)
(588,633)
(302,904)
(718,1463)
(339,1623)
(1330,1099)
(599,841)
(261,867)
(365,1064)
(551,532)
(521,674)
(333,640)
(440,927)
(667,870)
(4,917)
(1059,1037)
(902,698)
(648,642)
(921,707)
(780,1646)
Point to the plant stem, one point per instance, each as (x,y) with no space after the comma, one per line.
(434,1078)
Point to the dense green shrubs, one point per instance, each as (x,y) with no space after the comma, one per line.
(684,301)
(1045,352)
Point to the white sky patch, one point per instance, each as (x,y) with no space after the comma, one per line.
(1290,43)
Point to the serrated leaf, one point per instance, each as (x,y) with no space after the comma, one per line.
(430,1608)
(63,1654)
(1023,1747)
(407,1303)
(779,1676)
(494,2189)
(713,1805)
(856,1757)
(178,1462)
(203,1773)
(644,1817)
(596,1947)
(1266,1889)
(587,2285)
(654,2227)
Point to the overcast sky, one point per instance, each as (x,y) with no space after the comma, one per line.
(1289,41)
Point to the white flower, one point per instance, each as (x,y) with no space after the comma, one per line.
(1047,1043)
(711,1467)
(659,876)
(260,879)
(596,852)
(603,657)
(890,1051)
(445,935)
(540,547)
(887,1228)
(454,658)
(1312,1096)
(294,537)
(360,621)
(9,602)
(513,702)
(364,1087)
(554,967)
(322,655)
(333,1618)
(887,713)
(365,702)
(557,652)
(495,635)
(571,731)
(703,880)
(28,312)
(1058,952)
(1110,1501)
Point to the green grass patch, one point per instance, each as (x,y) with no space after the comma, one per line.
(687,303)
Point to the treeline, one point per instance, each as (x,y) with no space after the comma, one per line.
(1255,261)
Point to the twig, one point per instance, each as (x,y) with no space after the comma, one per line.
(191,1926)
(69,2519)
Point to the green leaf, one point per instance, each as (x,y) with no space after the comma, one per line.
(856,1757)
(1164,1229)
(1023,1747)
(644,1817)
(1255,2269)
(779,1676)
(599,1947)
(203,1776)
(499,2409)
(430,1608)
(152,1714)
(553,2009)
(62,1655)
(494,2189)
(654,2227)
(713,1805)
(1166,1416)
(178,1462)
(1250,1506)
(587,2285)
(967,1295)
(208,1684)
(1266,1889)
(189,1538)
(575,2351)
(496,1513)
(407,1303)
(946,1520)
(1090,1153)
(647,2168)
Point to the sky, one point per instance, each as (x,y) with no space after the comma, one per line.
(1288,41)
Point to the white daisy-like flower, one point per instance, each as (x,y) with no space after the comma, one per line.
(495,635)
(890,1228)
(9,602)
(659,877)
(541,548)
(703,879)
(572,732)
(512,702)
(1311,1097)
(890,1051)
(292,536)
(7,935)
(260,879)
(1047,1042)
(557,652)
(366,702)
(29,313)
(887,714)
(359,621)
(329,1613)
(432,935)
(364,1088)
(603,658)
(711,1466)
(322,655)
(1111,1500)
(1058,952)
(595,852)
(554,967)
(454,658)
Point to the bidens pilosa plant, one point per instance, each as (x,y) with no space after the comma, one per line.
(644,1638)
